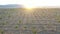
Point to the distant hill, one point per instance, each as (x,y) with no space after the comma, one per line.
(11,6)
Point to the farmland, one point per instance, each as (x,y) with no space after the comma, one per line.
(35,21)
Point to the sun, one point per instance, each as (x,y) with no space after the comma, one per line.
(29,7)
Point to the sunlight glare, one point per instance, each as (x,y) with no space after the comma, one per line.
(28,7)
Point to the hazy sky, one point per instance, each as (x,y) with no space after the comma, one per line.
(30,3)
